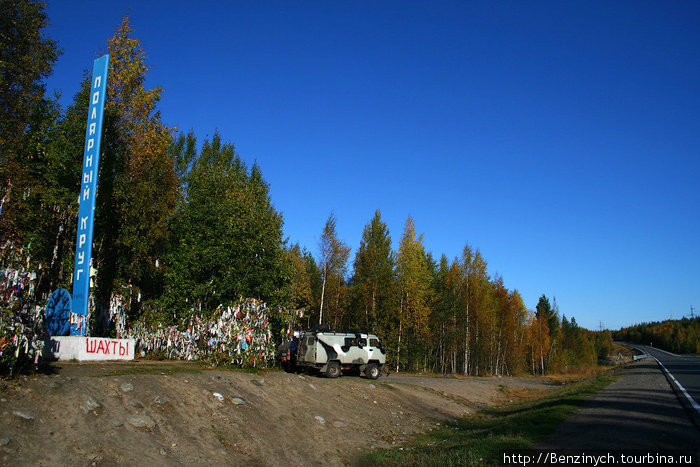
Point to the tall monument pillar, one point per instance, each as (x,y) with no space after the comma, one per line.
(88,190)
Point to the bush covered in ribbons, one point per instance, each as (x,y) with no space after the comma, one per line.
(239,334)
(21,339)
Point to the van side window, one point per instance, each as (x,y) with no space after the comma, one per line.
(363,342)
(350,342)
(374,342)
(310,341)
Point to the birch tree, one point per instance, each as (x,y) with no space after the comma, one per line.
(333,264)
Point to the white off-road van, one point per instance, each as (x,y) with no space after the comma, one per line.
(331,352)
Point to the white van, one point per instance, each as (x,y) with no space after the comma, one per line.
(331,352)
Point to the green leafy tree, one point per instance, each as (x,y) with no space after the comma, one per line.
(548,313)
(447,286)
(53,235)
(374,276)
(26,59)
(415,295)
(226,237)
(316,283)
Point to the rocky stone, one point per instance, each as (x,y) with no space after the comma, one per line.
(320,419)
(159,400)
(117,423)
(218,396)
(237,401)
(256,382)
(142,421)
(89,403)
(23,414)
(126,387)
(340,423)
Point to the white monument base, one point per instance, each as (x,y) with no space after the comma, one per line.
(89,348)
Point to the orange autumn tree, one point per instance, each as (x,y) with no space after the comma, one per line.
(139,186)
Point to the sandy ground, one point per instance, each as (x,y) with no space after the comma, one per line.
(95,414)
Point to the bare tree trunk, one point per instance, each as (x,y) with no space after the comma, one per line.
(398,347)
(466,345)
(323,292)
(539,327)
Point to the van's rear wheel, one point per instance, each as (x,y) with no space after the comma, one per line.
(333,370)
(372,371)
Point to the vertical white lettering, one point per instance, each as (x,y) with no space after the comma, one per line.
(88,160)
(95,97)
(87,177)
(83,222)
(90,143)
(98,81)
(93,126)
(81,240)
(86,193)
(93,114)
(77,274)
(81,257)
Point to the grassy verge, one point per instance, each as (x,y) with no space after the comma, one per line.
(147,369)
(478,439)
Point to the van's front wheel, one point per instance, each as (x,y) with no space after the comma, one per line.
(333,370)
(372,371)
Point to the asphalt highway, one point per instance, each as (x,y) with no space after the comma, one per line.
(686,371)
(638,411)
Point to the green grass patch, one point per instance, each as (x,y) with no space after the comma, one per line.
(479,438)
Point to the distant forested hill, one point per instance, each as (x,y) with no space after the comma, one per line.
(678,336)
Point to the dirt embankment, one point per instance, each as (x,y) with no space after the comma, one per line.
(179,414)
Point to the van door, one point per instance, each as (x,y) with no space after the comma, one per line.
(373,349)
(307,348)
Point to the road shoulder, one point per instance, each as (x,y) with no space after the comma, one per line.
(638,411)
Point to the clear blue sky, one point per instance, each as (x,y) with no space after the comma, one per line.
(560,138)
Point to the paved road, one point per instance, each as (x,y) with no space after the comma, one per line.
(684,368)
(638,411)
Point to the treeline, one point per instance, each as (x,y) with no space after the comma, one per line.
(442,316)
(181,229)
(678,336)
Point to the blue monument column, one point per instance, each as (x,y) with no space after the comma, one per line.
(88,190)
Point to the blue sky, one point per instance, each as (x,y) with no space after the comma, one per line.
(562,139)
